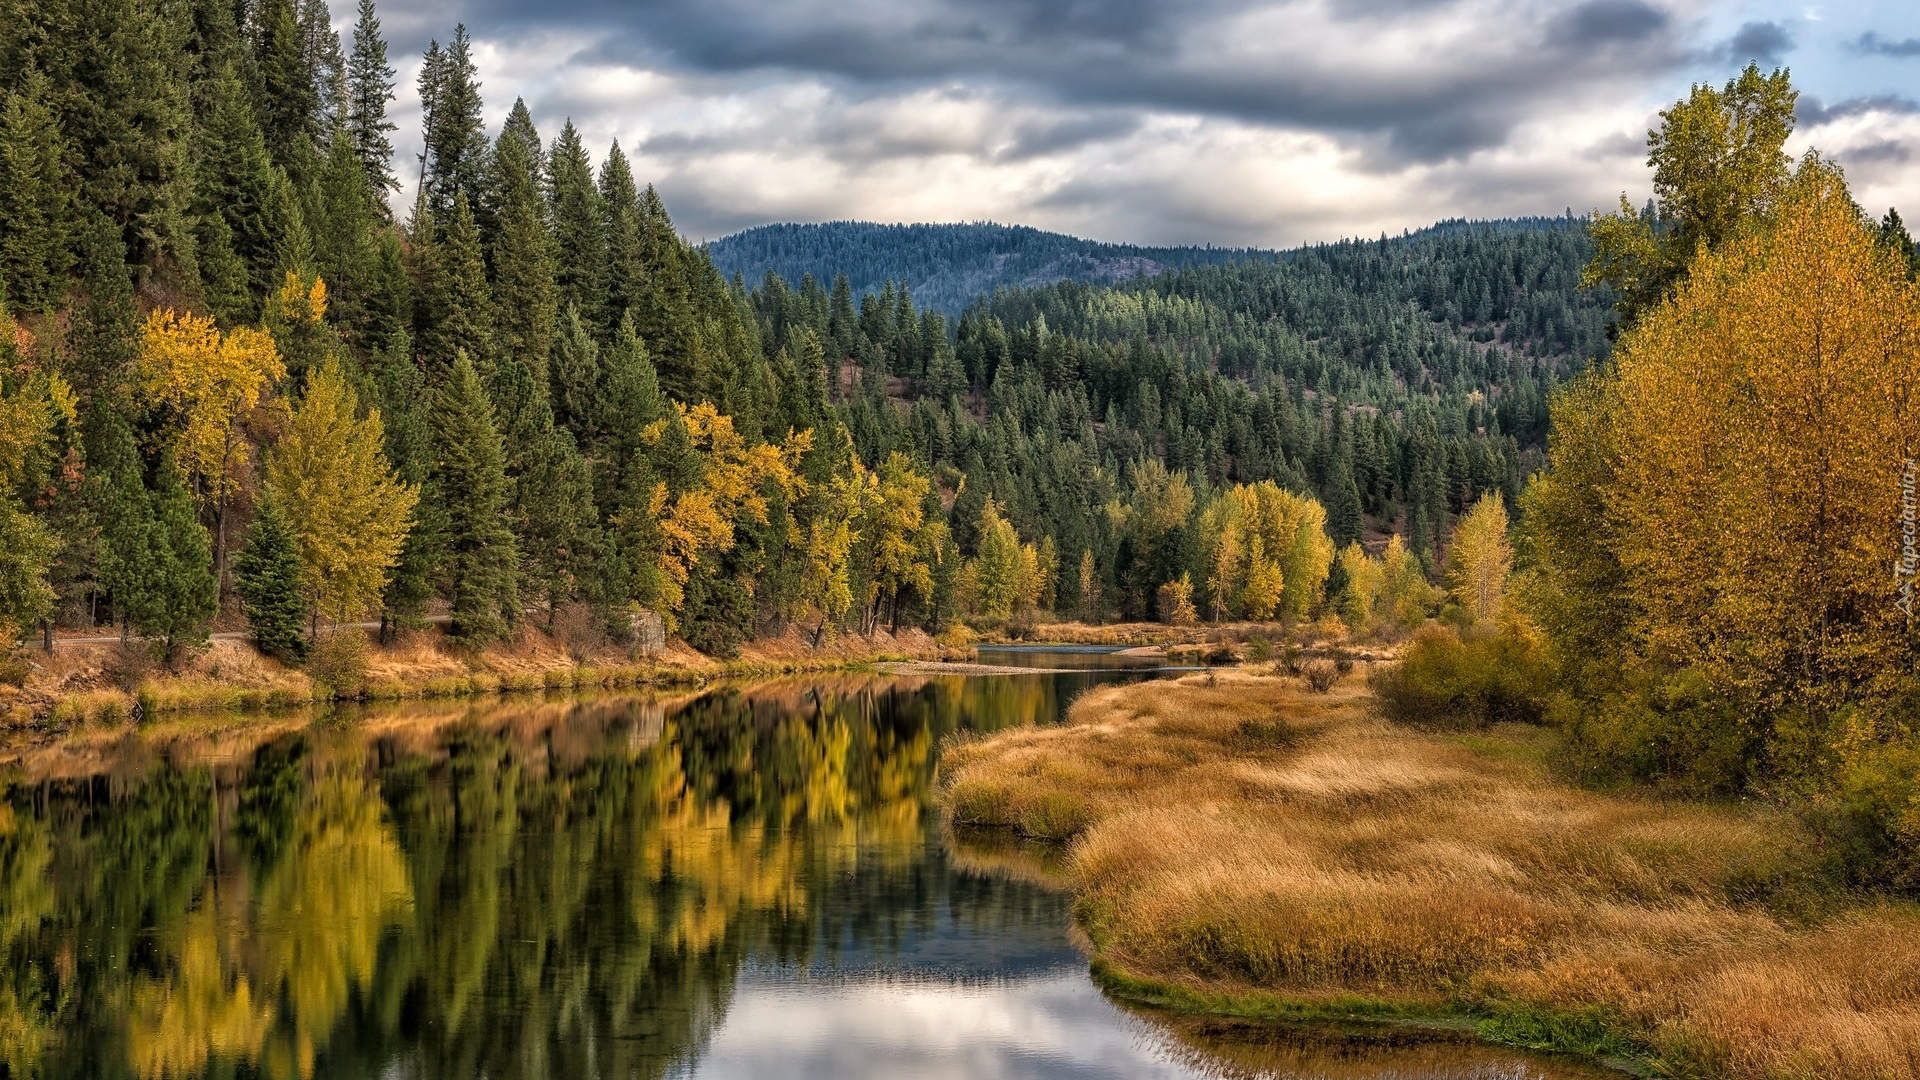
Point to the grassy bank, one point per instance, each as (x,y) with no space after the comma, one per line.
(109,685)
(1243,846)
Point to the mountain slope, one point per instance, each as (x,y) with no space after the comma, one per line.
(946,266)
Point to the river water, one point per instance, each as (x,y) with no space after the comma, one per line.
(739,883)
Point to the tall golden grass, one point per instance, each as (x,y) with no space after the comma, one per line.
(1240,836)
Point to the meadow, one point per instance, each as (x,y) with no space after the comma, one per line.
(1240,845)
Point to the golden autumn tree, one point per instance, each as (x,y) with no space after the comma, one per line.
(349,513)
(1765,417)
(1725,510)
(901,555)
(31,403)
(1365,578)
(1479,560)
(203,384)
(700,481)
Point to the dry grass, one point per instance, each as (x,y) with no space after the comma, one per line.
(1247,837)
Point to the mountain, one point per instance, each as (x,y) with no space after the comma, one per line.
(946,266)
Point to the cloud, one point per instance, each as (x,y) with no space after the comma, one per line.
(1872,44)
(1263,122)
(1812,112)
(1764,43)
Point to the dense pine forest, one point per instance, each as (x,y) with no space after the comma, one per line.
(947,266)
(237,382)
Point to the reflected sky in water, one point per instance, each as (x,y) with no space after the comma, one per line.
(742,883)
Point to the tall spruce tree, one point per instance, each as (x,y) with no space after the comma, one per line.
(456,135)
(580,242)
(369,88)
(468,482)
(267,577)
(36,216)
(454,313)
(524,291)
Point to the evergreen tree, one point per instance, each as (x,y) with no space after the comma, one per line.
(455,309)
(167,589)
(456,136)
(663,312)
(236,185)
(267,577)
(103,338)
(288,101)
(626,265)
(369,89)
(524,291)
(579,233)
(468,483)
(36,219)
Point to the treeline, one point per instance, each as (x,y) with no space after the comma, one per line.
(231,377)
(946,266)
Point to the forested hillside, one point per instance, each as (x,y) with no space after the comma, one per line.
(238,385)
(945,267)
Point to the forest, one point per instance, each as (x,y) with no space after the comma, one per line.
(239,384)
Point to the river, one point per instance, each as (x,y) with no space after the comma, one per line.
(745,882)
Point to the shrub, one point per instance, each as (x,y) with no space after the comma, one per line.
(1873,826)
(338,660)
(128,664)
(1445,681)
(1320,675)
(1259,649)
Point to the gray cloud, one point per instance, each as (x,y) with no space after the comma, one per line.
(1764,43)
(1812,112)
(1873,44)
(1451,97)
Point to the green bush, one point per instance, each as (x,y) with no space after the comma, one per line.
(338,660)
(1675,730)
(1446,681)
(1873,825)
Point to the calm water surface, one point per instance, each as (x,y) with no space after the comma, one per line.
(745,883)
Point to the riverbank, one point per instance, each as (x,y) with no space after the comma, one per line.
(1241,846)
(111,685)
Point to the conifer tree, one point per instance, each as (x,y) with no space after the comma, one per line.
(36,218)
(103,340)
(369,89)
(575,381)
(169,596)
(288,101)
(579,233)
(455,307)
(267,577)
(524,291)
(468,484)
(235,184)
(456,137)
(626,267)
(348,512)
(663,311)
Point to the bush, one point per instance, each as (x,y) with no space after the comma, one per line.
(1259,649)
(1873,826)
(1320,675)
(1674,729)
(128,664)
(338,660)
(1445,681)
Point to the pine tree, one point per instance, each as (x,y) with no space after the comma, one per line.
(36,217)
(267,577)
(468,483)
(557,524)
(455,308)
(288,101)
(170,597)
(574,379)
(626,266)
(369,89)
(524,291)
(663,312)
(235,184)
(103,340)
(580,240)
(456,136)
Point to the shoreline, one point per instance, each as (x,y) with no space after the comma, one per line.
(81,692)
(1239,847)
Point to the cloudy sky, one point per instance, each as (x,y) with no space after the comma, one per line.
(1238,122)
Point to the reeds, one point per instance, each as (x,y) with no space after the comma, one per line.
(1250,838)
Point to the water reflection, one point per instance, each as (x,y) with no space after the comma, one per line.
(743,883)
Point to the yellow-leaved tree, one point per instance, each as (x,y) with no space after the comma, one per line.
(1478,560)
(1726,505)
(1765,416)
(702,480)
(204,384)
(348,511)
(902,545)
(31,403)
